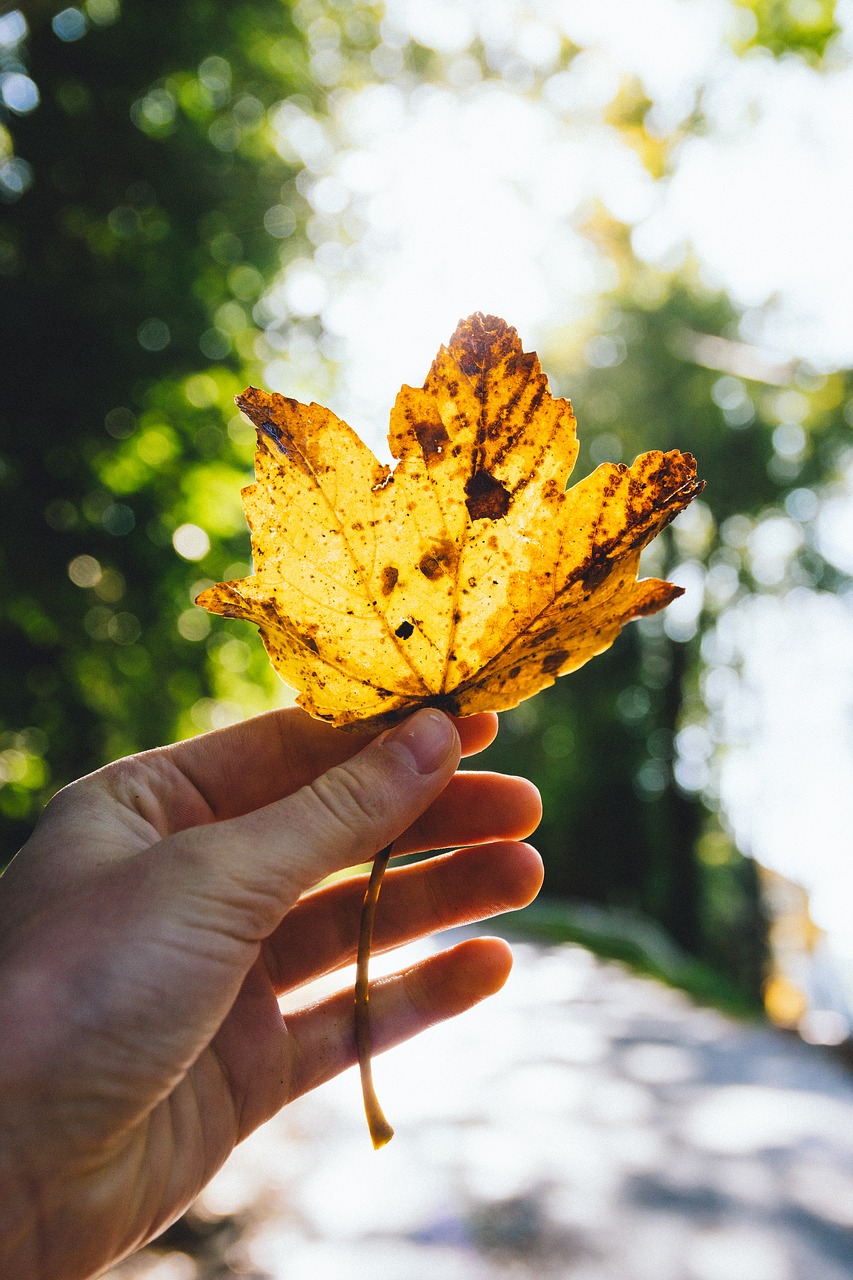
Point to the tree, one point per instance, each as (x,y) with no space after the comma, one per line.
(157,207)
(624,750)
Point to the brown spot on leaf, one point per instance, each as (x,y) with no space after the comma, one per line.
(433,440)
(481,342)
(485,497)
(389,579)
(554,661)
(661,598)
(269,413)
(594,572)
(441,558)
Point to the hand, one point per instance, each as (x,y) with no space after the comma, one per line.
(158,911)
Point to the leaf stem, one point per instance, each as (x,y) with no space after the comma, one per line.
(380,1130)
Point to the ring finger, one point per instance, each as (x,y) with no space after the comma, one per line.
(320,934)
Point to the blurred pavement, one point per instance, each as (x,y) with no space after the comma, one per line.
(585,1124)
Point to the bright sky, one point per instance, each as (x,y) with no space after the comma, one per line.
(438,200)
(788,780)
(461,196)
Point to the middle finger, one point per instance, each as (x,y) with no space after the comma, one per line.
(320,934)
(475,808)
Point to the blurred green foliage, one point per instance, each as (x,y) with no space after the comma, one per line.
(149,206)
(803,27)
(632,938)
(129,274)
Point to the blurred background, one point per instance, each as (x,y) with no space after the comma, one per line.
(308,196)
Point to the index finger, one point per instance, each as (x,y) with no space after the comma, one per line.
(248,765)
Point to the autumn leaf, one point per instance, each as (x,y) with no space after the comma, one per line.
(467,578)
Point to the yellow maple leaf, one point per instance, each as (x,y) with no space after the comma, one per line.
(467,578)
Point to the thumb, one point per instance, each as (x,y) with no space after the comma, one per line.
(268,858)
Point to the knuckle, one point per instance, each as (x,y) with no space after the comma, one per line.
(351,800)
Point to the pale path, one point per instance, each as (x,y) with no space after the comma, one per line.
(585,1124)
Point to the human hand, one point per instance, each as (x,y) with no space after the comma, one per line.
(162,906)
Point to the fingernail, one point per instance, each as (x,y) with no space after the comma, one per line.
(424,741)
